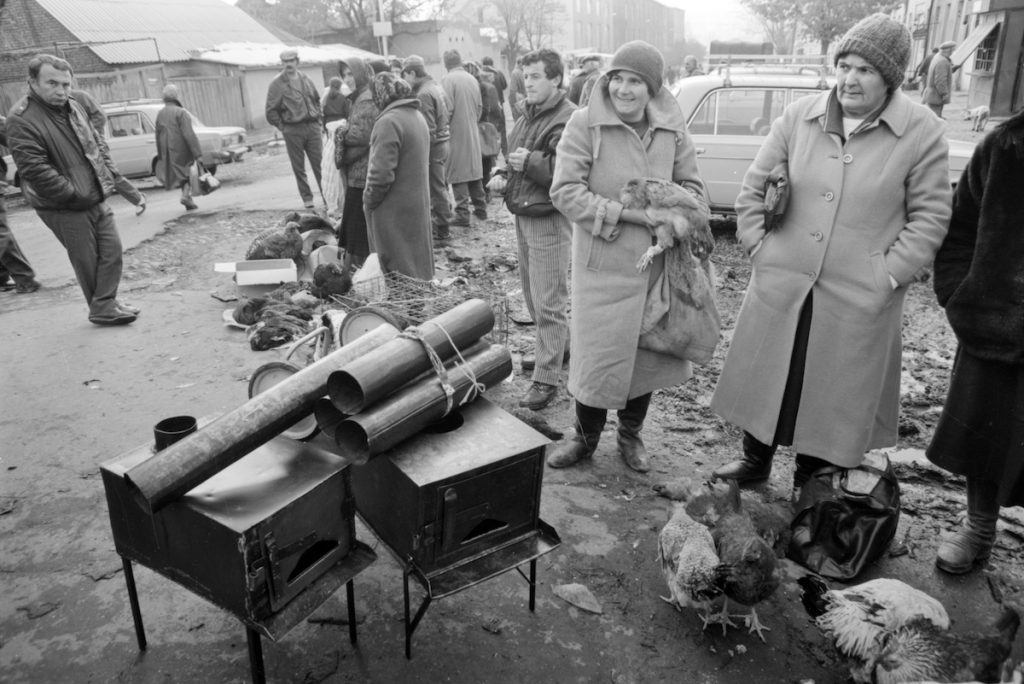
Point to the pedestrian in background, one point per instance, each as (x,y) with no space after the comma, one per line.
(13,264)
(491,113)
(465,168)
(516,90)
(66,175)
(691,67)
(588,66)
(632,128)
(293,107)
(434,108)
(335,105)
(397,194)
(979,281)
(500,83)
(938,85)
(922,70)
(177,146)
(543,235)
(815,357)
(355,144)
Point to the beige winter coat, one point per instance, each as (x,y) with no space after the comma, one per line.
(596,156)
(877,206)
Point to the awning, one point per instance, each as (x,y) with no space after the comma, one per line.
(989,23)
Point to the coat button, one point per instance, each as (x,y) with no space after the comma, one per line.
(829,197)
(812,275)
(847,158)
(817,236)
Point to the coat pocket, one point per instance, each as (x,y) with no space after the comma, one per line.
(595,253)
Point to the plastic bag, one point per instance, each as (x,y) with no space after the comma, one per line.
(201,180)
(846,517)
(490,139)
(681,319)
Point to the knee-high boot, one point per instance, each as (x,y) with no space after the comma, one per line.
(971,545)
(631,421)
(756,463)
(589,423)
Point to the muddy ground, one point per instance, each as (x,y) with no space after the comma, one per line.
(73,399)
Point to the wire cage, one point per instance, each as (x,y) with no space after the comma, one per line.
(414,301)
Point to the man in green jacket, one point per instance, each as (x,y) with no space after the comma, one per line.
(543,234)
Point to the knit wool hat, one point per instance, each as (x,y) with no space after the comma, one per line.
(644,60)
(882,42)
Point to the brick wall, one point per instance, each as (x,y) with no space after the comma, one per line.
(26,29)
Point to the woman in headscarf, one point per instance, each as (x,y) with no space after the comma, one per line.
(631,128)
(177,146)
(355,145)
(397,193)
(814,360)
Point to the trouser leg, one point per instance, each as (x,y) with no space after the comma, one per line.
(460,191)
(12,260)
(440,211)
(314,149)
(544,251)
(295,144)
(109,260)
(476,193)
(75,234)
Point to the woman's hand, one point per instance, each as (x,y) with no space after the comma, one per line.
(637,216)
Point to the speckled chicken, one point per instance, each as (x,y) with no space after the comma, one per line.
(860,618)
(678,216)
(307,221)
(920,651)
(690,564)
(278,243)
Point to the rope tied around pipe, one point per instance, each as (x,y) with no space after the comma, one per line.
(475,388)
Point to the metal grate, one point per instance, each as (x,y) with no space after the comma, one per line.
(415,301)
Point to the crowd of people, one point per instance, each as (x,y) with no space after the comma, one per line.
(814,359)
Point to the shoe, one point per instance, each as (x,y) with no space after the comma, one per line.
(127,308)
(442,235)
(309,205)
(481,214)
(971,545)
(460,223)
(589,423)
(27,286)
(633,451)
(538,396)
(530,362)
(119,318)
(188,203)
(756,463)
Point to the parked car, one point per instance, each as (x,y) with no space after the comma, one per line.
(131,135)
(730,112)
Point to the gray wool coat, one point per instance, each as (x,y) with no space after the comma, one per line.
(397,194)
(860,212)
(176,144)
(596,156)
(465,162)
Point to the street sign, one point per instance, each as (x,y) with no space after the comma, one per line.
(381,28)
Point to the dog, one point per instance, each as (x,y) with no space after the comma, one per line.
(978,117)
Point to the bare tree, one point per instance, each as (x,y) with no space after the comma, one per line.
(780,19)
(540,20)
(511,21)
(826,20)
(305,17)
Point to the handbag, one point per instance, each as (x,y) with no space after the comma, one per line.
(490,139)
(846,517)
(680,316)
(201,181)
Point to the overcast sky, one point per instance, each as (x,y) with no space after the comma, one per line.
(708,20)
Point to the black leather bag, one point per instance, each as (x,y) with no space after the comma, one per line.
(846,517)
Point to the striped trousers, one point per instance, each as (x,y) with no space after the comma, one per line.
(544,251)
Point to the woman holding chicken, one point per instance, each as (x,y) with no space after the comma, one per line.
(631,128)
(814,361)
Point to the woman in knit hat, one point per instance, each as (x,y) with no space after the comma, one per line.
(631,128)
(814,361)
(397,194)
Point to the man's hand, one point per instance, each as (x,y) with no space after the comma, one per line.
(140,208)
(497,184)
(517,159)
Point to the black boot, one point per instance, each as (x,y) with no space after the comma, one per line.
(805,467)
(589,423)
(971,545)
(631,421)
(756,463)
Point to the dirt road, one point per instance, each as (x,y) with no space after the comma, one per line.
(75,395)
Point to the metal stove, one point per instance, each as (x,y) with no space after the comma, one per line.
(268,539)
(459,503)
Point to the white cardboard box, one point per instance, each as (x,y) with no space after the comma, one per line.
(255,278)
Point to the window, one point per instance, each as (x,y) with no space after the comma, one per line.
(741,111)
(985,55)
(122,125)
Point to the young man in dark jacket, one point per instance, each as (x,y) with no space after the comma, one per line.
(544,235)
(66,175)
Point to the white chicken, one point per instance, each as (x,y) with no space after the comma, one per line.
(859,619)
(690,565)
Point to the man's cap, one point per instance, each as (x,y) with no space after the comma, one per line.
(413,61)
(948,45)
(289,54)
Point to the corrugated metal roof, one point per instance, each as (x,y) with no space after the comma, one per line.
(178,27)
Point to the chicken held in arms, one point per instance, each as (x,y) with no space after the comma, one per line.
(679,218)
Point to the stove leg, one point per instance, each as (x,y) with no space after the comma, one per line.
(533,584)
(259,676)
(350,595)
(133,599)
(410,626)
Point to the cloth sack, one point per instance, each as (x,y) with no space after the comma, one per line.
(680,315)
(846,517)
(201,181)
(490,139)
